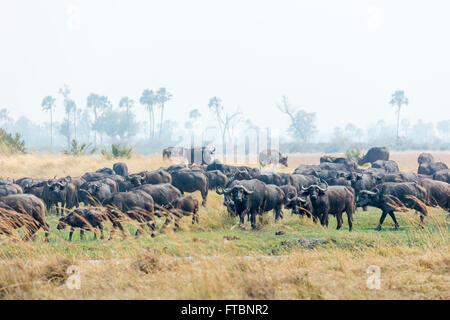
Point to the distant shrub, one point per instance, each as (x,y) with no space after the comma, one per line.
(11,144)
(353,154)
(79,150)
(118,151)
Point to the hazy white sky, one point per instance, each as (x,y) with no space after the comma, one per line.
(340,59)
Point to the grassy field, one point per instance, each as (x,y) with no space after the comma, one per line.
(217,260)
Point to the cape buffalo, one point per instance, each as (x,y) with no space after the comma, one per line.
(391,196)
(389,166)
(374,154)
(442,175)
(246,197)
(60,191)
(95,192)
(184,206)
(136,205)
(438,193)
(272,157)
(190,181)
(431,168)
(216,179)
(121,169)
(86,219)
(425,158)
(273,200)
(18,210)
(12,188)
(331,200)
(171,152)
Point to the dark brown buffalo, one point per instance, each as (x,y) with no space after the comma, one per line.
(392,196)
(60,191)
(331,200)
(121,169)
(86,219)
(190,181)
(442,175)
(216,179)
(11,188)
(20,210)
(374,154)
(136,205)
(438,193)
(184,206)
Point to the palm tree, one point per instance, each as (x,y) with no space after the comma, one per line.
(48,104)
(68,106)
(98,104)
(127,103)
(162,96)
(398,99)
(148,99)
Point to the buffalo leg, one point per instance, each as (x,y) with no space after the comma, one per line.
(339,221)
(350,219)
(253,219)
(116,224)
(394,219)
(204,197)
(383,216)
(81,234)
(102,236)
(324,219)
(71,233)
(151,225)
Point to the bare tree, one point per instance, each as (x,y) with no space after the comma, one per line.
(226,122)
(302,125)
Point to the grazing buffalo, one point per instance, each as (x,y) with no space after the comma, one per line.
(245,198)
(442,175)
(136,205)
(348,164)
(273,157)
(162,194)
(12,188)
(60,191)
(391,196)
(108,171)
(216,179)
(333,200)
(121,169)
(289,192)
(157,177)
(86,219)
(216,164)
(171,152)
(270,178)
(301,206)
(374,154)
(389,166)
(425,158)
(18,210)
(190,181)
(184,206)
(300,180)
(93,193)
(397,177)
(431,168)
(438,193)
(274,200)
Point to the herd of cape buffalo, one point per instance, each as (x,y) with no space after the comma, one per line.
(332,187)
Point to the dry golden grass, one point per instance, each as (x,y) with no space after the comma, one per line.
(199,263)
